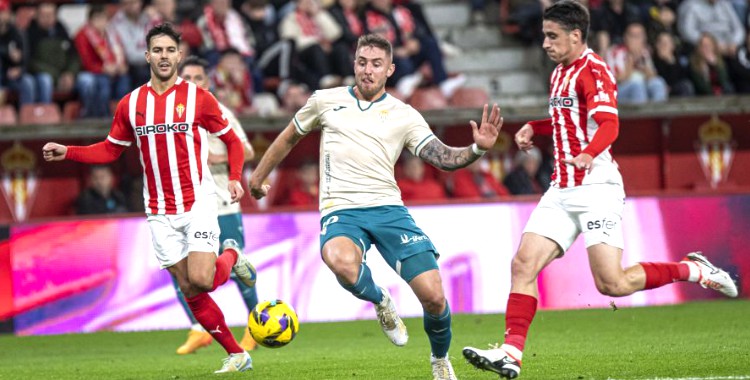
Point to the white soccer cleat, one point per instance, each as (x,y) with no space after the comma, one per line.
(242,268)
(442,369)
(711,276)
(392,325)
(240,362)
(495,359)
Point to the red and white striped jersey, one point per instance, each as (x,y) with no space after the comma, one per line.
(577,92)
(171,133)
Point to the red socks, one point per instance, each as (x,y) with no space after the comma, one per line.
(660,274)
(207,312)
(224,267)
(518,316)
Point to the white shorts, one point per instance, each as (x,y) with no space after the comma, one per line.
(174,236)
(595,210)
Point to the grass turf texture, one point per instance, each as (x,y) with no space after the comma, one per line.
(696,340)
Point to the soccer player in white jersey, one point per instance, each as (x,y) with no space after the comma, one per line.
(169,120)
(364,130)
(586,195)
(195,70)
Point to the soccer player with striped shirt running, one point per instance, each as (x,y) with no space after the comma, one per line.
(169,120)
(586,195)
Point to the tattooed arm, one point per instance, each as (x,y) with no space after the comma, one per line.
(445,157)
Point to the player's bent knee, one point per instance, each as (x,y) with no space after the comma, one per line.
(613,289)
(203,282)
(434,303)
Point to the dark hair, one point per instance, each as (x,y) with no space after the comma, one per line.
(229,51)
(96,9)
(571,15)
(194,61)
(376,40)
(163,29)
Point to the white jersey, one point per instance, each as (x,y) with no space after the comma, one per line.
(220,172)
(359,146)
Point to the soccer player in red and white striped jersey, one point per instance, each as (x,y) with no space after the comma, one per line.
(586,195)
(169,120)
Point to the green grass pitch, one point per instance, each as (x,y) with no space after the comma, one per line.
(701,340)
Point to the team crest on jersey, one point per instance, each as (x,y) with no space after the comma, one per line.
(180,110)
(383,115)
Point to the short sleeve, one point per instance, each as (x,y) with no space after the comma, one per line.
(418,132)
(307,118)
(600,89)
(211,117)
(121,132)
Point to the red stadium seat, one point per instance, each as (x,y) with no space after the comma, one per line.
(425,99)
(467,97)
(8,115)
(40,114)
(71,111)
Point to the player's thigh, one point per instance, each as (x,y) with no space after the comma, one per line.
(231,227)
(398,238)
(551,220)
(169,243)
(343,238)
(606,263)
(179,273)
(202,227)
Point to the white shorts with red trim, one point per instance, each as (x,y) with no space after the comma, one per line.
(174,236)
(594,210)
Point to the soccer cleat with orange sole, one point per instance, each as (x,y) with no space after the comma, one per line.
(195,340)
(248,343)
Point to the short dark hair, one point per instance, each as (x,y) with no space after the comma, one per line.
(376,40)
(166,29)
(194,61)
(96,9)
(571,15)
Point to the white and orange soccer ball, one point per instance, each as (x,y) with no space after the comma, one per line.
(273,324)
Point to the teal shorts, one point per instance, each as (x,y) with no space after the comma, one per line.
(231,228)
(391,229)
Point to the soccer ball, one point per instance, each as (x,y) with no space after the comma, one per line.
(273,324)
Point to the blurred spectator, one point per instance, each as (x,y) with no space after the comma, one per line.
(275,56)
(412,46)
(103,66)
(52,58)
(741,67)
(523,178)
(101,197)
(612,18)
(314,32)
(12,59)
(661,17)
(232,82)
(293,96)
(476,181)
(527,14)
(708,70)
(304,191)
(130,25)
(346,14)
(415,185)
(715,17)
(637,79)
(161,11)
(673,68)
(223,28)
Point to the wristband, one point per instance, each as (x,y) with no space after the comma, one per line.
(477,150)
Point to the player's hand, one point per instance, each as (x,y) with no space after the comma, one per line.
(581,161)
(259,192)
(236,191)
(523,137)
(54,152)
(486,133)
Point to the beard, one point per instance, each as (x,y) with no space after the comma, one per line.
(163,77)
(368,90)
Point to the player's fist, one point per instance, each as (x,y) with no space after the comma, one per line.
(259,192)
(523,137)
(236,191)
(54,152)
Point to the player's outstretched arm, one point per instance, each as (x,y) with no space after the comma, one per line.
(485,134)
(278,150)
(54,151)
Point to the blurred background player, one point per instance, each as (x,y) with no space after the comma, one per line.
(365,131)
(586,196)
(168,119)
(194,69)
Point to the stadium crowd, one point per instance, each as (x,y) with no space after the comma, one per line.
(268,56)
